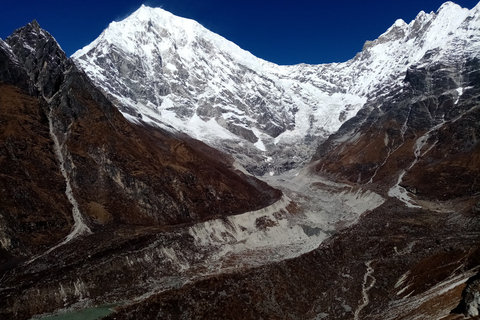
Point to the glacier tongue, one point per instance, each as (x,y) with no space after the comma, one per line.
(174,73)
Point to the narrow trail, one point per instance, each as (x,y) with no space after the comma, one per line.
(365,288)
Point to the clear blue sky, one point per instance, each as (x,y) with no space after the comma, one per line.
(284,32)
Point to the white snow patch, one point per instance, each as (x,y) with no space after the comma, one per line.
(460,92)
(260,146)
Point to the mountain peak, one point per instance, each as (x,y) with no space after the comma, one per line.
(160,16)
(452,13)
(41,55)
(400,23)
(449,5)
(34,24)
(30,36)
(144,9)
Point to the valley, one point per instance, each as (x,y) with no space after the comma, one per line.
(161,259)
(167,172)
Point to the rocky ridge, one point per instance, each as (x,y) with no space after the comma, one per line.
(425,126)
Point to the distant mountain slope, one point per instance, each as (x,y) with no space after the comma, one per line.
(423,138)
(176,74)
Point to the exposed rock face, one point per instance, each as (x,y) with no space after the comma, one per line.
(34,211)
(41,57)
(470,304)
(426,127)
(11,71)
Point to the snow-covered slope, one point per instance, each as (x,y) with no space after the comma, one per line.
(174,73)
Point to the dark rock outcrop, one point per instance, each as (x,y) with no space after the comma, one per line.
(11,72)
(470,304)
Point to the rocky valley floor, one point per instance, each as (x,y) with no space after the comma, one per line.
(325,250)
(129,264)
(395,263)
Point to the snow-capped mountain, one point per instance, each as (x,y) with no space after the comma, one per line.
(173,72)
